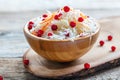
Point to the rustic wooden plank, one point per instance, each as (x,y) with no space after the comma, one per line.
(47,69)
(13,69)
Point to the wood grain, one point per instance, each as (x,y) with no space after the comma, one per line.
(14,70)
(71,70)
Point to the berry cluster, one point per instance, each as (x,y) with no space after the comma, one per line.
(30,25)
(109,38)
(46,18)
(101,43)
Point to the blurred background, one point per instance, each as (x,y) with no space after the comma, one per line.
(19,11)
(15,13)
(37,5)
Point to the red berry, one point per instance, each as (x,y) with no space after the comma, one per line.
(66,9)
(40,33)
(54,27)
(30,25)
(67,35)
(43,19)
(86,66)
(26,62)
(60,14)
(113,48)
(1,78)
(56,17)
(50,34)
(88,16)
(101,43)
(72,24)
(80,19)
(110,38)
(45,15)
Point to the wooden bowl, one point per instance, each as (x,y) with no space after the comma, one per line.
(61,50)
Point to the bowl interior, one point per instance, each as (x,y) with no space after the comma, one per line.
(25,29)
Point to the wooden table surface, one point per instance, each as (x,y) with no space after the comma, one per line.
(13,45)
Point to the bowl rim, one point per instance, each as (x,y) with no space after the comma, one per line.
(25,29)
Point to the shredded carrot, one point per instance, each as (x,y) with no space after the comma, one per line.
(34,33)
(48,19)
(45,27)
(83,16)
(74,19)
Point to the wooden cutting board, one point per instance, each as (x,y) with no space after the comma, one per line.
(100,58)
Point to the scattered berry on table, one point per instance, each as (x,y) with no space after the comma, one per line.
(101,43)
(113,48)
(86,66)
(26,62)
